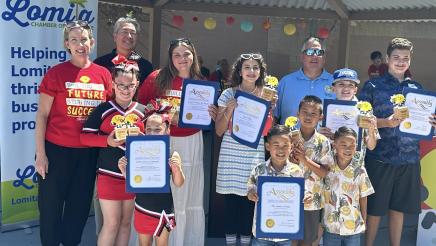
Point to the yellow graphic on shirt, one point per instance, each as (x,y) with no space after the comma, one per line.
(131,119)
(83,96)
(117,120)
(85,79)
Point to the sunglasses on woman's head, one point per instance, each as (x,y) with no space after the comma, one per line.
(180,40)
(314,52)
(77,23)
(251,56)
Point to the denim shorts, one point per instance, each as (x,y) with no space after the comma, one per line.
(261,242)
(330,239)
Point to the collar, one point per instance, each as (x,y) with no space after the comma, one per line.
(323,76)
(354,163)
(271,170)
(390,79)
(311,139)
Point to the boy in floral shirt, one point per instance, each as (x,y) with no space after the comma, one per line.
(279,145)
(313,153)
(346,191)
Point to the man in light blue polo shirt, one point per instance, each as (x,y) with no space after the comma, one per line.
(311,79)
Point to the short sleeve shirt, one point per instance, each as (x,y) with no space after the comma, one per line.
(318,149)
(293,87)
(343,190)
(76,93)
(266,169)
(391,148)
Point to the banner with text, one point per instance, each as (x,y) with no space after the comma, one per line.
(427,217)
(32,42)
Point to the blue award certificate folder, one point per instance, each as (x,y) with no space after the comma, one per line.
(421,105)
(147,168)
(339,113)
(280,207)
(249,118)
(196,97)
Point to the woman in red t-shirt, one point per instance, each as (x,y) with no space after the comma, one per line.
(166,84)
(66,168)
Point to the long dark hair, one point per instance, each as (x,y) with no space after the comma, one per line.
(237,66)
(169,72)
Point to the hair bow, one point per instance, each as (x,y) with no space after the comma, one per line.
(124,63)
(161,107)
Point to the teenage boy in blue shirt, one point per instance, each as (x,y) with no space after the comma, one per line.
(393,166)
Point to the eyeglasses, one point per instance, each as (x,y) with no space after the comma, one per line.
(122,87)
(77,23)
(251,56)
(314,52)
(180,40)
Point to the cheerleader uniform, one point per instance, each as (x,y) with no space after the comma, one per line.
(110,181)
(153,213)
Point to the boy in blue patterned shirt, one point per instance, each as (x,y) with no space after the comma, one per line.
(393,166)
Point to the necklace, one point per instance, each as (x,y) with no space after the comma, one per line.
(251,92)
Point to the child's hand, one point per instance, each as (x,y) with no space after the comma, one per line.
(213,111)
(112,141)
(432,120)
(122,163)
(274,102)
(175,119)
(300,155)
(326,132)
(252,196)
(372,123)
(175,162)
(393,122)
(230,107)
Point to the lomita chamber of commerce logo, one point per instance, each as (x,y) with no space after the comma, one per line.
(25,14)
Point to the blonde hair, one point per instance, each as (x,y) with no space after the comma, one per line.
(67,31)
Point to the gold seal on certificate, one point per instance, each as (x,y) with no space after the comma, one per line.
(236,128)
(189,116)
(138,179)
(407,124)
(270,223)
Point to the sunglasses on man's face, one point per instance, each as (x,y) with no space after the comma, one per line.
(77,23)
(180,40)
(251,56)
(314,52)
